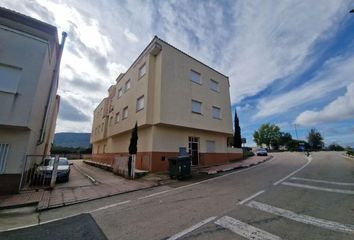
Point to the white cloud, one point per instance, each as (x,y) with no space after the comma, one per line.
(335,74)
(130,36)
(254,42)
(275,40)
(340,109)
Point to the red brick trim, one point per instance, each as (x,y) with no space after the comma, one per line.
(158,161)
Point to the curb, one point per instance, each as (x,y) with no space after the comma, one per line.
(86,175)
(239,167)
(90,199)
(20,205)
(348,157)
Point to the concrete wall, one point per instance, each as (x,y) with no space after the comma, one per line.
(26,54)
(168,138)
(167,120)
(177,92)
(32,54)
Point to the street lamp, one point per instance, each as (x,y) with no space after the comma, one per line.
(352,11)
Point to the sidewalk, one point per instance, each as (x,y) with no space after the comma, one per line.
(46,199)
(236,165)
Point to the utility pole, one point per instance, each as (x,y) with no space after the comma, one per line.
(297,138)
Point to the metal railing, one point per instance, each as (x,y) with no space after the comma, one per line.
(39,172)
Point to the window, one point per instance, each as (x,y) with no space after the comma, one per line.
(120,92)
(195,77)
(4,150)
(196,107)
(98,149)
(117,117)
(125,112)
(110,120)
(216,113)
(142,70)
(140,103)
(9,78)
(210,145)
(127,85)
(214,85)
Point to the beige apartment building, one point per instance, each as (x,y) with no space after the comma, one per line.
(176,100)
(29,63)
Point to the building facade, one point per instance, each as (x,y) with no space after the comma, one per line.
(29,63)
(176,100)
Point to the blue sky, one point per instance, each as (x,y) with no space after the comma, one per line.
(289,62)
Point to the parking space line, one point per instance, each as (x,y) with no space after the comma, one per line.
(346,228)
(318,188)
(244,230)
(309,159)
(194,227)
(323,181)
(251,197)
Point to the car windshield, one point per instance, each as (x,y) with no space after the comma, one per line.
(261,149)
(63,161)
(50,162)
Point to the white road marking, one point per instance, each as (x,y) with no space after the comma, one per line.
(68,216)
(109,206)
(318,188)
(204,181)
(251,197)
(346,228)
(245,230)
(154,194)
(188,230)
(309,159)
(322,181)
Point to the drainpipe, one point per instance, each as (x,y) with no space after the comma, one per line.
(53,87)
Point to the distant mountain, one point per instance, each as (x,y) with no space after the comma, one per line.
(68,139)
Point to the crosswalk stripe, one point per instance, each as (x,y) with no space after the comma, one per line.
(190,229)
(346,228)
(322,181)
(245,230)
(318,188)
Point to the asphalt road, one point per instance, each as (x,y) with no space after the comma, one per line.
(289,197)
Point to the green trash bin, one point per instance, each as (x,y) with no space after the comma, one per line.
(179,167)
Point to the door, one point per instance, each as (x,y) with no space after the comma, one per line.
(193,147)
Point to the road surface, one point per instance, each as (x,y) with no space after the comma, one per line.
(288,197)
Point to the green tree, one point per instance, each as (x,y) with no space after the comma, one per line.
(315,139)
(268,134)
(133,146)
(284,139)
(335,147)
(237,141)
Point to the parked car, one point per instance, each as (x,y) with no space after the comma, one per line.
(261,152)
(45,170)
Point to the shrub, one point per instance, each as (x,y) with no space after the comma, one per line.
(350,151)
(248,154)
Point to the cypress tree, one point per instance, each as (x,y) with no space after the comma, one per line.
(237,142)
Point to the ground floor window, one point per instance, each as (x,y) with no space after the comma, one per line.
(210,146)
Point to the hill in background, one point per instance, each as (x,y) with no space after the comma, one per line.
(74,140)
